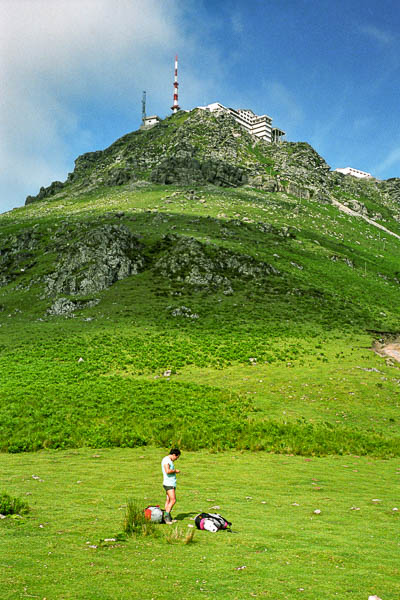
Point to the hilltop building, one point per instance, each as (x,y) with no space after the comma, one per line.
(258,125)
(354,172)
(150,122)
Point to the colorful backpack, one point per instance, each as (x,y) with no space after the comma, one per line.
(211,522)
(154,514)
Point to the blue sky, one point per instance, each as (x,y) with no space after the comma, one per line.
(72,74)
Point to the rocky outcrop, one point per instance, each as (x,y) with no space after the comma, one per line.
(63,307)
(51,190)
(297,162)
(207,267)
(17,255)
(392,188)
(182,311)
(189,170)
(96,259)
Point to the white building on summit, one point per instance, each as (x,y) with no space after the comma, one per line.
(354,172)
(260,126)
(150,121)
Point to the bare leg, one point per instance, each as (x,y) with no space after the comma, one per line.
(170,500)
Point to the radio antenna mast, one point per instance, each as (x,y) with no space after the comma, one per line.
(143,107)
(175,107)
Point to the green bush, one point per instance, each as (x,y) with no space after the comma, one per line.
(12,506)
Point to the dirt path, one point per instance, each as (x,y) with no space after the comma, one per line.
(391,350)
(353,213)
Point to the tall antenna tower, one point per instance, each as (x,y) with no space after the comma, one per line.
(175,107)
(143,107)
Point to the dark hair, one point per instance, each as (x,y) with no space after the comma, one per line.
(175,451)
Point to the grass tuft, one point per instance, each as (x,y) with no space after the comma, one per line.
(12,506)
(176,535)
(135,523)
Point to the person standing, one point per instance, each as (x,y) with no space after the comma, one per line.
(169,481)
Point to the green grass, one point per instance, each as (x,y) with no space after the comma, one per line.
(283,367)
(79,498)
(316,387)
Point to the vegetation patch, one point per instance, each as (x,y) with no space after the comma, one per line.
(135,523)
(10,505)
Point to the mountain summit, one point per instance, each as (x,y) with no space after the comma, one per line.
(199,147)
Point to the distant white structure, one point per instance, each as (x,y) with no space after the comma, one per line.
(258,125)
(150,122)
(354,172)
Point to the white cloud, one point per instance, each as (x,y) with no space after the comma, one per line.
(58,54)
(376,34)
(280,96)
(237,23)
(391,160)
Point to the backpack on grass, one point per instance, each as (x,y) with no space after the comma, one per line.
(211,522)
(154,514)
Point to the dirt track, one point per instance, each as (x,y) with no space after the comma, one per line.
(391,350)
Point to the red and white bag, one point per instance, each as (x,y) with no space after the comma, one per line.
(154,514)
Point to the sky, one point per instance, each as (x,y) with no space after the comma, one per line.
(72,73)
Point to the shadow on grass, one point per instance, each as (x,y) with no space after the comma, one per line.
(183,516)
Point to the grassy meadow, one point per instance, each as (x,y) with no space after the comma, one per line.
(273,392)
(279,548)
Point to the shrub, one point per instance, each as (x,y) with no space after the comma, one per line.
(12,506)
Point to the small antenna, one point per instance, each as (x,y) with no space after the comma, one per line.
(143,107)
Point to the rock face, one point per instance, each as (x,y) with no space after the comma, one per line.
(51,190)
(17,255)
(95,260)
(82,259)
(206,267)
(187,170)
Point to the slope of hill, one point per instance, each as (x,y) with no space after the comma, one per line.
(193,285)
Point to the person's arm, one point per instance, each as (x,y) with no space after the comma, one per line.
(168,469)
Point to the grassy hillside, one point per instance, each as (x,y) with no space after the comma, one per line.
(248,324)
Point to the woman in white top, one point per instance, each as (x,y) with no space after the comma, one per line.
(169,481)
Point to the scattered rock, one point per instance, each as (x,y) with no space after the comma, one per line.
(63,307)
(183,311)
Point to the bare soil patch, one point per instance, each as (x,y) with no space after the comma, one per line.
(388,350)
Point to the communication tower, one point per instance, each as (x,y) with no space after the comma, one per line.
(175,107)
